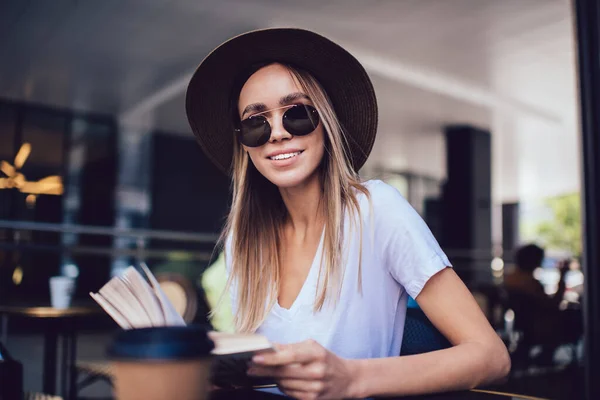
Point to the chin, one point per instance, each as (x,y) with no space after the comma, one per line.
(288,179)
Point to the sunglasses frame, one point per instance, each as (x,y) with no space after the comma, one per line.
(311,110)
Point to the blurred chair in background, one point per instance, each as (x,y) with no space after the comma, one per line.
(181,292)
(179,275)
(420,335)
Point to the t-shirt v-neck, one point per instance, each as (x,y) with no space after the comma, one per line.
(307,292)
(398,255)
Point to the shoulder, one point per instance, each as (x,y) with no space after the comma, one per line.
(385,204)
(382,194)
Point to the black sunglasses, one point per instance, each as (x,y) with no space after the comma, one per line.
(298,120)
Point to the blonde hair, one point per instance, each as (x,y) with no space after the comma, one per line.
(257,214)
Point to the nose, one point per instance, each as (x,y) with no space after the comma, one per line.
(278,132)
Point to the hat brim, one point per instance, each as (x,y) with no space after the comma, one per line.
(344,79)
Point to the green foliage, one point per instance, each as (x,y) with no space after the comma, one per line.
(563,231)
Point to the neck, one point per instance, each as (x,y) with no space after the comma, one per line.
(304,207)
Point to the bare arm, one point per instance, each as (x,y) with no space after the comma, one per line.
(477,357)
(307,370)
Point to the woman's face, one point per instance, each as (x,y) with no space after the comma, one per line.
(269,88)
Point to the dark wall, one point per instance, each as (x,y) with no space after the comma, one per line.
(188,193)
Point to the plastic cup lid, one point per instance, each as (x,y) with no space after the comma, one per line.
(161,343)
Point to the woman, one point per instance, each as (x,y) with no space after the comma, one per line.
(319,261)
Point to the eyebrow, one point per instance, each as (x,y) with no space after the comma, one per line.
(284,101)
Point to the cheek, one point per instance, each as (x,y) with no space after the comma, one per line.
(253,153)
(319,144)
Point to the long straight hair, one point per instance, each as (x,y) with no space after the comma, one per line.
(257,214)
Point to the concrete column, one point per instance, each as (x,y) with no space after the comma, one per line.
(132,194)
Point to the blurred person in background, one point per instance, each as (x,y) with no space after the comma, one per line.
(538,316)
(319,261)
(527,259)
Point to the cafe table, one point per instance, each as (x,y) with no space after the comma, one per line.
(57,323)
(476,394)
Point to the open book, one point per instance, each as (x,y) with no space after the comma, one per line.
(137,302)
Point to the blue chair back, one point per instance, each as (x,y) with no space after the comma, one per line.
(420,336)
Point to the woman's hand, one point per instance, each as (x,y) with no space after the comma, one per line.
(307,370)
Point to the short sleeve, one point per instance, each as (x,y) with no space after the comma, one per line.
(410,251)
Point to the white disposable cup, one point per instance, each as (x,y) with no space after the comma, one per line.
(61,291)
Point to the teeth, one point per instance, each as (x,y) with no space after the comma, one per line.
(285,156)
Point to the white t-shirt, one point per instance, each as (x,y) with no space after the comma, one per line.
(399,255)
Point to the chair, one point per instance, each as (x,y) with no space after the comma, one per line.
(539,323)
(420,336)
(181,292)
(184,297)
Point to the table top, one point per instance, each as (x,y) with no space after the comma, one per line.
(48,312)
(465,395)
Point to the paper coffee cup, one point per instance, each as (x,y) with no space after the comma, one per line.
(161,363)
(61,291)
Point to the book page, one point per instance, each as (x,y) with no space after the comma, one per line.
(144,293)
(171,315)
(142,317)
(110,310)
(231,343)
(134,303)
(119,303)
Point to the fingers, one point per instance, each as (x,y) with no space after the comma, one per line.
(314,371)
(303,352)
(301,369)
(301,389)
(301,385)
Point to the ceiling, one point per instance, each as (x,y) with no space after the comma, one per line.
(507,66)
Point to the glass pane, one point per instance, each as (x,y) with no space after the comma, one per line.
(91,176)
(37,198)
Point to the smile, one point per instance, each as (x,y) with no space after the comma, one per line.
(285,156)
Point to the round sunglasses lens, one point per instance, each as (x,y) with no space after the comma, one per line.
(255,131)
(301,120)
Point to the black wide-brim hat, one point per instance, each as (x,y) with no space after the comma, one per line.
(208,97)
